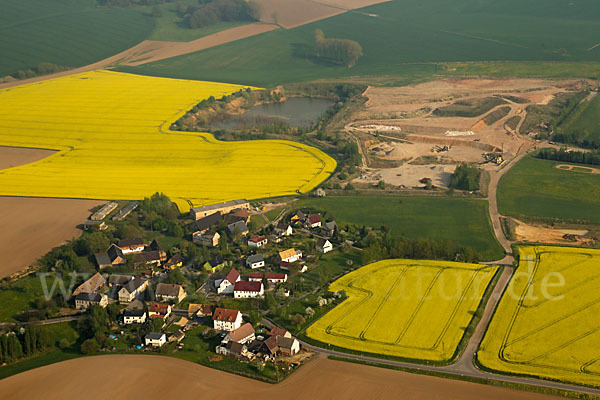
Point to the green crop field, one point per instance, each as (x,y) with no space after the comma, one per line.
(405,308)
(403,33)
(536,188)
(464,221)
(587,120)
(65,32)
(546,324)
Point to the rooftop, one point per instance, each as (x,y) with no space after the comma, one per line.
(211,207)
(225,314)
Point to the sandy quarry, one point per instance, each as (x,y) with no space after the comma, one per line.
(393,113)
(155,377)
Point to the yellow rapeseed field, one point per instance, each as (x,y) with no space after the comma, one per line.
(112,132)
(405,308)
(548,321)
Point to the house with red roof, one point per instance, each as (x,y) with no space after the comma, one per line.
(257,241)
(158,310)
(226,319)
(248,289)
(313,221)
(255,276)
(276,278)
(226,285)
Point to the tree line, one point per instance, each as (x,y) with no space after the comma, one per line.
(26,342)
(577,157)
(43,68)
(465,177)
(338,51)
(210,12)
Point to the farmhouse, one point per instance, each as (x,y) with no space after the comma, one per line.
(226,285)
(221,208)
(329,228)
(236,350)
(276,278)
(135,316)
(290,255)
(283,229)
(208,238)
(104,211)
(157,310)
(225,319)
(243,334)
(276,344)
(132,289)
(204,224)
(113,256)
(92,285)
(324,246)
(125,211)
(155,339)
(238,227)
(135,245)
(313,221)
(174,262)
(255,261)
(247,289)
(84,300)
(257,241)
(170,292)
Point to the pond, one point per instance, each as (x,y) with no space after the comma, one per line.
(296,112)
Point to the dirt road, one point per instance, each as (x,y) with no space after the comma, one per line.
(156,377)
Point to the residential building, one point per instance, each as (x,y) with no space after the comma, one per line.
(288,346)
(155,339)
(150,257)
(290,255)
(169,292)
(324,246)
(200,310)
(116,280)
(208,238)
(226,285)
(134,245)
(174,262)
(158,310)
(238,227)
(113,256)
(284,265)
(243,334)
(132,289)
(283,229)
(255,261)
(92,285)
(221,208)
(255,276)
(277,331)
(84,300)
(276,278)
(225,319)
(247,289)
(134,316)
(313,221)
(257,241)
(329,228)
(236,350)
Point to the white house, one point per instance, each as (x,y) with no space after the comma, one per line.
(257,241)
(154,339)
(324,246)
(128,246)
(225,286)
(85,300)
(255,276)
(290,255)
(283,229)
(276,278)
(225,319)
(255,261)
(243,334)
(136,316)
(247,289)
(132,289)
(313,221)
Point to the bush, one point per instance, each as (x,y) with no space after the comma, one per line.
(63,344)
(89,346)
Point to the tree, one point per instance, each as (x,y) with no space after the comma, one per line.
(381,184)
(89,346)
(465,177)
(255,317)
(156,324)
(338,51)
(298,320)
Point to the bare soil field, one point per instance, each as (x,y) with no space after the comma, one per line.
(15,156)
(33,226)
(154,377)
(350,4)
(578,168)
(292,13)
(551,235)
(401,120)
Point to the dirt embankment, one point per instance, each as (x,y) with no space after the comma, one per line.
(150,377)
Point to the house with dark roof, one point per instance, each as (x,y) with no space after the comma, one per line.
(222,208)
(214,264)
(84,300)
(226,285)
(248,289)
(204,224)
(329,228)
(116,280)
(283,229)
(239,227)
(132,289)
(113,256)
(134,316)
(155,339)
(255,261)
(169,292)
(174,262)
(208,238)
(236,350)
(324,246)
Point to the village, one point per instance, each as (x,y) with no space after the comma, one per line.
(166,312)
